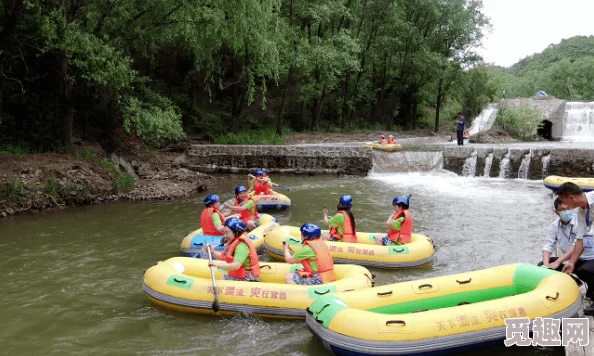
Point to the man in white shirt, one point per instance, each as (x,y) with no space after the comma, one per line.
(582,258)
(561,234)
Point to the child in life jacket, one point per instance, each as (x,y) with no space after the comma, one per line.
(318,265)
(239,257)
(342,225)
(212,219)
(245,206)
(391,140)
(260,184)
(382,140)
(400,224)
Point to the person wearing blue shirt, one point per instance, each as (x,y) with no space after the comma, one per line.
(460,128)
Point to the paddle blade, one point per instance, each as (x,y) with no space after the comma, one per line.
(215,304)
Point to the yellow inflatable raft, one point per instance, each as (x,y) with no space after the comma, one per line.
(384,147)
(276,201)
(194,242)
(442,314)
(553,182)
(185,284)
(365,252)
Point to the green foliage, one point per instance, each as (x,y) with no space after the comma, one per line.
(13,191)
(123,182)
(16,149)
(51,186)
(153,123)
(252,137)
(522,121)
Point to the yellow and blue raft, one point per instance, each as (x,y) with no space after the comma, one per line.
(553,182)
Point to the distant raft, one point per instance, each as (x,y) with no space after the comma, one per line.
(365,253)
(193,244)
(441,315)
(276,201)
(553,182)
(392,147)
(184,284)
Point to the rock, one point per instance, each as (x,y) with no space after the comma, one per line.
(179,161)
(3,214)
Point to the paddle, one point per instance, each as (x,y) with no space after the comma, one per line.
(215,304)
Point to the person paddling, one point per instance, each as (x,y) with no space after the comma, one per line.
(246,207)
(391,140)
(239,257)
(342,225)
(400,224)
(318,266)
(211,219)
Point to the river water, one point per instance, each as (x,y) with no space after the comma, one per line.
(71,281)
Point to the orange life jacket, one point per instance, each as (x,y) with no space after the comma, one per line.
(391,141)
(208,227)
(253,256)
(348,235)
(248,214)
(323,259)
(260,187)
(405,233)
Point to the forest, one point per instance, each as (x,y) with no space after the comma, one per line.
(165,69)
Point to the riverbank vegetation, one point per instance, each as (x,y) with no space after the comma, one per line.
(164,69)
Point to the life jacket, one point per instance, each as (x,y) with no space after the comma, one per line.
(323,259)
(260,187)
(248,214)
(348,235)
(208,227)
(391,141)
(253,256)
(405,233)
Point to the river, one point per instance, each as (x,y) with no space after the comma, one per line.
(71,281)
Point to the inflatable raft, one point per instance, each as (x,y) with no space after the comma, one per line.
(275,201)
(384,147)
(194,242)
(185,284)
(442,314)
(365,252)
(553,182)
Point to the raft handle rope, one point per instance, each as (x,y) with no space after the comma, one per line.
(464,282)
(399,322)
(553,298)
(420,310)
(348,290)
(384,293)
(397,250)
(425,286)
(464,303)
(322,293)
(370,278)
(267,266)
(180,281)
(294,240)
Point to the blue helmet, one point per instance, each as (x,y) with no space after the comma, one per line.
(211,199)
(312,231)
(401,199)
(259,173)
(239,189)
(235,224)
(345,201)
(264,170)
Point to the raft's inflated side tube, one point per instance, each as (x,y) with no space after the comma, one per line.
(276,201)
(442,314)
(553,182)
(393,147)
(193,244)
(184,284)
(365,253)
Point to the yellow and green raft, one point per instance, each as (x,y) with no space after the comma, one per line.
(442,314)
(193,244)
(184,284)
(365,253)
(553,182)
(387,147)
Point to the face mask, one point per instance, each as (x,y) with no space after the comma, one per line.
(566,215)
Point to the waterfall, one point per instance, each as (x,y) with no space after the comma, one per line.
(525,166)
(407,161)
(488,164)
(546,161)
(504,166)
(469,168)
(578,121)
(484,121)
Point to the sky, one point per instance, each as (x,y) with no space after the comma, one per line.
(524,27)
